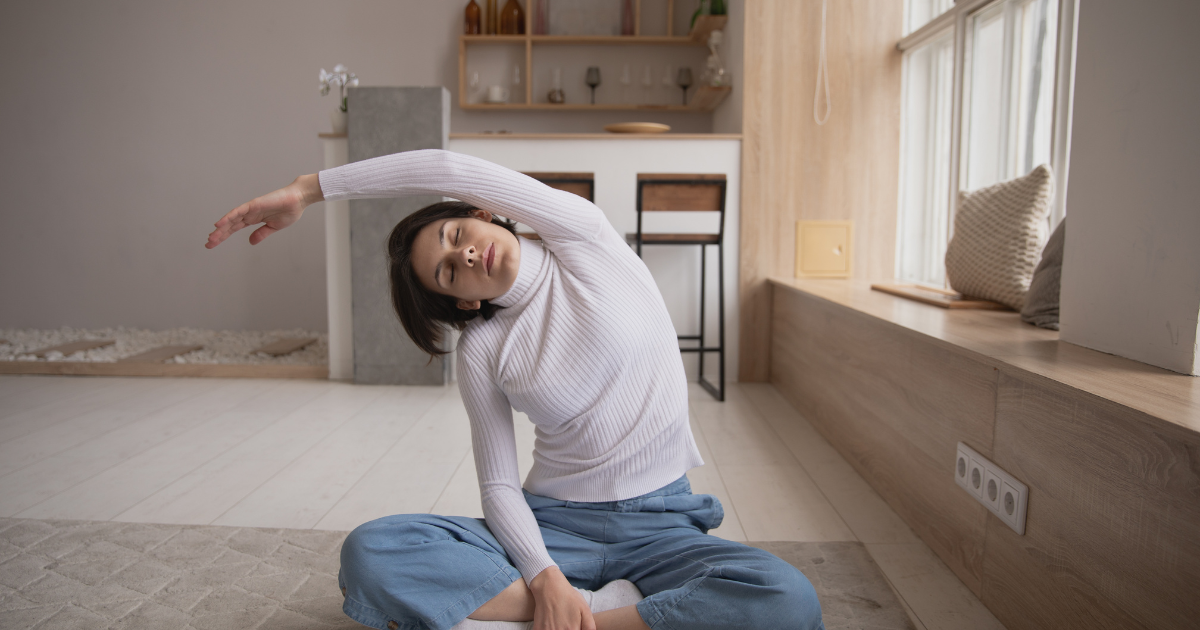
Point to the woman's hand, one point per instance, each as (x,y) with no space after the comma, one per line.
(557,605)
(276,210)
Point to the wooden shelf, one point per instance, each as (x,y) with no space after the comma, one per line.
(595,136)
(494,39)
(700,99)
(582,40)
(706,106)
(705,25)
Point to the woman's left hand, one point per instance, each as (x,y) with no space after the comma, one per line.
(557,605)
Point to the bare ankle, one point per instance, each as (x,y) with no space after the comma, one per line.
(514,603)
(626,618)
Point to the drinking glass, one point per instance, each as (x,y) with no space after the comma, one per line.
(593,80)
(684,80)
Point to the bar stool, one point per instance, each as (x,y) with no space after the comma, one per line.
(582,184)
(673,192)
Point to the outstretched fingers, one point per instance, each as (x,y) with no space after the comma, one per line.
(236,219)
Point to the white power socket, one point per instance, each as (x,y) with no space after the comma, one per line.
(997,490)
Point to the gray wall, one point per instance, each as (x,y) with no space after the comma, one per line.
(130,126)
(1131,270)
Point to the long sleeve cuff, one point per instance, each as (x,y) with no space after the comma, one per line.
(333,185)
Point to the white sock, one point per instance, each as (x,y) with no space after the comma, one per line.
(615,594)
(588,596)
(475,624)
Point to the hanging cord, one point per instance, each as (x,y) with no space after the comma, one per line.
(822,71)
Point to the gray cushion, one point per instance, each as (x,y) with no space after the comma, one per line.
(1041,303)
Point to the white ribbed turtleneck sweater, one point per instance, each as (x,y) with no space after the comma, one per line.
(584,346)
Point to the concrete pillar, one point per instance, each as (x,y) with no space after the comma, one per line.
(382,121)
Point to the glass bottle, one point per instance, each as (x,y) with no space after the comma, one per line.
(541,11)
(628,18)
(490,18)
(512,19)
(473,25)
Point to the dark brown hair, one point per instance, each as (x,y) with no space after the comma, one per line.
(423,312)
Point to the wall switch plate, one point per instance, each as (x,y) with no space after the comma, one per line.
(823,249)
(997,490)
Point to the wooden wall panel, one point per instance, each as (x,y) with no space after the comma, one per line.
(794,169)
(1112,538)
(1113,530)
(876,395)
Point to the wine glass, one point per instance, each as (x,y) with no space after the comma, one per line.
(626,80)
(684,80)
(593,80)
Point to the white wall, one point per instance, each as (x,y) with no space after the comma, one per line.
(616,164)
(1131,272)
(130,126)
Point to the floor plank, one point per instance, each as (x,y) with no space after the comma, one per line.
(411,476)
(305,490)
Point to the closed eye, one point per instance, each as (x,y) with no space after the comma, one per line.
(457,236)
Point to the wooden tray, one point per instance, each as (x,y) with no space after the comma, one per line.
(937,297)
(637,127)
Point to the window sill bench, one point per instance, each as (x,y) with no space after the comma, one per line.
(1001,339)
(1109,448)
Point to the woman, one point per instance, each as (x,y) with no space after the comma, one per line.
(572,331)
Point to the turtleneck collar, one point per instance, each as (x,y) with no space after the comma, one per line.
(533,258)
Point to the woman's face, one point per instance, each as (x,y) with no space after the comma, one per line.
(468,258)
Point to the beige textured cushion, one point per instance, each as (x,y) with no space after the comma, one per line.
(999,232)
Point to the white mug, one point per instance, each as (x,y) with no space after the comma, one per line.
(497,94)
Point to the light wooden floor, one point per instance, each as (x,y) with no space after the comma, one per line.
(323,455)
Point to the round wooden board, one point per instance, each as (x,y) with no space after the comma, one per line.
(637,127)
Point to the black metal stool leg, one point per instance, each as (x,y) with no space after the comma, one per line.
(703,282)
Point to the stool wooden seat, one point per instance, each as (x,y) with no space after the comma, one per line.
(674,239)
(689,192)
(582,184)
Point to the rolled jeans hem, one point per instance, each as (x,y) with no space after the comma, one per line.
(483,594)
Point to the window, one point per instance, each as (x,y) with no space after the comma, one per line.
(1011,79)
(925,162)
(918,13)
(982,100)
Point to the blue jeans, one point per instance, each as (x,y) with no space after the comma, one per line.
(428,572)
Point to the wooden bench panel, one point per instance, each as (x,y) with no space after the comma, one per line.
(866,389)
(1112,536)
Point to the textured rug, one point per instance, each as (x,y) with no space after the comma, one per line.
(96,575)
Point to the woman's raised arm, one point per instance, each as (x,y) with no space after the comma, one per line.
(276,210)
(554,214)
